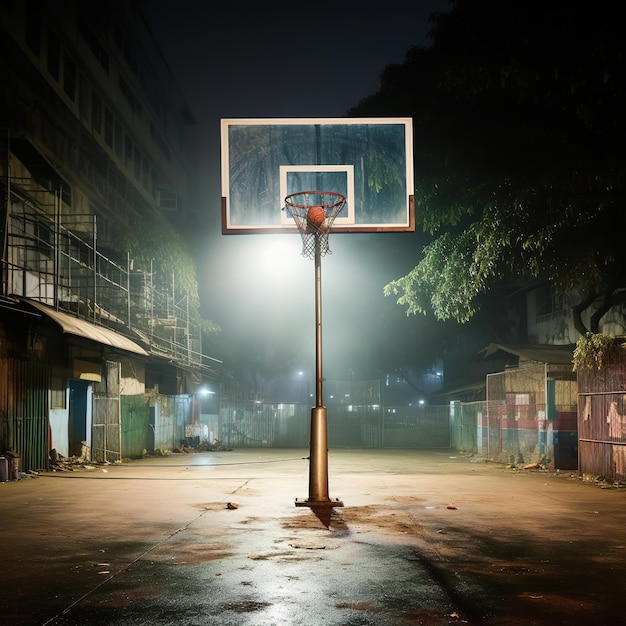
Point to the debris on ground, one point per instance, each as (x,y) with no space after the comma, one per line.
(60,463)
(203,446)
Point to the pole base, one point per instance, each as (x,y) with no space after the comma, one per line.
(318,504)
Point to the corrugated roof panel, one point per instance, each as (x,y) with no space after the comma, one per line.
(82,328)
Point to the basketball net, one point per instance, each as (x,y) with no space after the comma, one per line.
(314,213)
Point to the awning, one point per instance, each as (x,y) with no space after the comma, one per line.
(82,328)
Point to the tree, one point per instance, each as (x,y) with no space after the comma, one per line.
(519,153)
(156,244)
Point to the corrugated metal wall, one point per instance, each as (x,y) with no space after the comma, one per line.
(602,419)
(135,421)
(24,426)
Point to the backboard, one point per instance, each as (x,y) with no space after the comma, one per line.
(369,160)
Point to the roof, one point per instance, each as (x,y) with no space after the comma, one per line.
(82,328)
(476,388)
(556,355)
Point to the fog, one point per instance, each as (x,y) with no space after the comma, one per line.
(261,291)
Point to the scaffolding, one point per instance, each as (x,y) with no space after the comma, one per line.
(55,259)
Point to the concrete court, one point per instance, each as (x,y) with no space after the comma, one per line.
(424,537)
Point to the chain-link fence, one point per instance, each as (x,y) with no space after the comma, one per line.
(521,423)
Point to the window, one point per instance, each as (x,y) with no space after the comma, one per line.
(84,104)
(108,127)
(91,38)
(137,163)
(168,200)
(154,182)
(158,140)
(96,112)
(130,97)
(69,76)
(548,300)
(32,29)
(119,138)
(128,151)
(54,55)
(145,173)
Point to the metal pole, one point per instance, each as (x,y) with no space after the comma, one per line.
(319,378)
(95,270)
(318,457)
(57,250)
(130,325)
(7,272)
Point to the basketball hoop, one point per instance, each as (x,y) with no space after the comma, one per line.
(314,213)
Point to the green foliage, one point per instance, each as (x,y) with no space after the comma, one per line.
(595,349)
(160,247)
(437,282)
(519,158)
(385,170)
(155,244)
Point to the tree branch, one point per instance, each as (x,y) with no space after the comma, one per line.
(578,309)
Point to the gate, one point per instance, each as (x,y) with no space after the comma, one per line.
(106,436)
(105,433)
(466,420)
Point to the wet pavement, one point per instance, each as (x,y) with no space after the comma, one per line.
(424,537)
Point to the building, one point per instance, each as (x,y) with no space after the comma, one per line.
(98,323)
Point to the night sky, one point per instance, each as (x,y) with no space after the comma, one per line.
(236,60)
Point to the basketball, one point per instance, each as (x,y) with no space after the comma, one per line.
(316,215)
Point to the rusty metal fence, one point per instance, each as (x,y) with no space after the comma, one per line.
(602,419)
